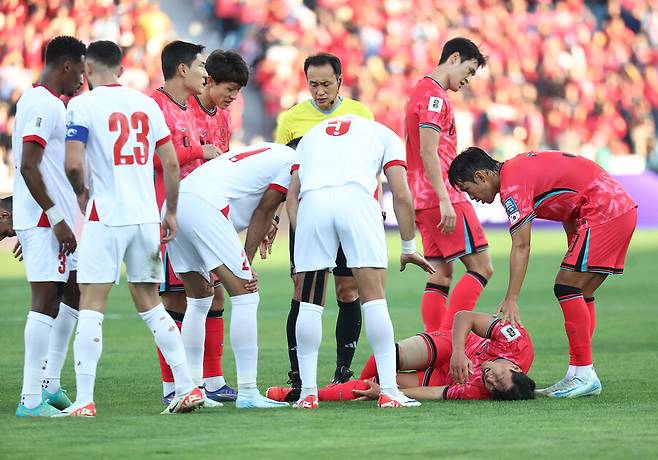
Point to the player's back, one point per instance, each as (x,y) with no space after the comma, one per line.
(346,150)
(124,128)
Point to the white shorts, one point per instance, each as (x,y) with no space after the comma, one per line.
(41,256)
(206,239)
(343,215)
(104,247)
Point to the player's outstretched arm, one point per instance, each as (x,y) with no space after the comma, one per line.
(292,202)
(171,170)
(261,220)
(518,265)
(424,393)
(429,143)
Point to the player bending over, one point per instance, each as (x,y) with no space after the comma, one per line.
(598,216)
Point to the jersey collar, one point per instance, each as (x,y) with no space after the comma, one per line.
(431,78)
(37,85)
(327,112)
(211,112)
(182,106)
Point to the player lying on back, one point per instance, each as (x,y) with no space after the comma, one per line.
(482,358)
(599,218)
(240,189)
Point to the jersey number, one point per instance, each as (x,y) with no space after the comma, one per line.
(243,155)
(139,121)
(338,127)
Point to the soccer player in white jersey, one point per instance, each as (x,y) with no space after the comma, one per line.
(43,215)
(240,189)
(331,202)
(120,129)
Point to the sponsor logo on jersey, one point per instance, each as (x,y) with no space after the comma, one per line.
(38,122)
(512,210)
(435,104)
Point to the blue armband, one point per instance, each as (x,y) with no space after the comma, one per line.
(77,133)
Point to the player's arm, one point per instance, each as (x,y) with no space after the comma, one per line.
(464,323)
(261,220)
(75,171)
(292,203)
(429,143)
(518,265)
(424,392)
(404,212)
(171,169)
(32,156)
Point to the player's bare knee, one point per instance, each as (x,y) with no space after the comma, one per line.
(346,289)
(175,301)
(46,297)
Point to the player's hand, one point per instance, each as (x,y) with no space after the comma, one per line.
(252,284)
(169,228)
(18,251)
(65,238)
(83,199)
(510,310)
(448,217)
(461,368)
(371,393)
(210,151)
(265,247)
(415,259)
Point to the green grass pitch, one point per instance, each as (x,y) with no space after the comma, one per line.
(621,423)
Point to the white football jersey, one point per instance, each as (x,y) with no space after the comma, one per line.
(41,118)
(347,150)
(121,128)
(240,177)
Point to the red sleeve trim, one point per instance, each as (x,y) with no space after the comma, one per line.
(395,163)
(163,141)
(278,188)
(294,168)
(34,138)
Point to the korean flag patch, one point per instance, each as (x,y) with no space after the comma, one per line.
(435,104)
(512,210)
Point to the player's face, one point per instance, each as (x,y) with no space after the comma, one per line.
(498,374)
(323,84)
(483,187)
(222,94)
(196,75)
(461,73)
(73,77)
(6,225)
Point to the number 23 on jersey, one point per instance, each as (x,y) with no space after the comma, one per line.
(139,124)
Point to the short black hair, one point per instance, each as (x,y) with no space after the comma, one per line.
(321,59)
(463,167)
(294,143)
(105,52)
(63,47)
(176,53)
(7,203)
(227,66)
(523,387)
(467,50)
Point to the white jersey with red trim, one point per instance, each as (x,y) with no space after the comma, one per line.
(121,128)
(347,150)
(41,118)
(240,177)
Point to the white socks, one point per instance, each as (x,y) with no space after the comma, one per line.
(168,339)
(214,383)
(585,372)
(193,334)
(37,335)
(308,332)
(59,345)
(244,339)
(379,331)
(87,349)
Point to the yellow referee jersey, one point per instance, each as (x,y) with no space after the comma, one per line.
(300,118)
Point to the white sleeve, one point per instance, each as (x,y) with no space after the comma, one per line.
(41,120)
(394,154)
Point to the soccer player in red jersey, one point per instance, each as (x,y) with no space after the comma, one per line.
(183,67)
(599,218)
(447,222)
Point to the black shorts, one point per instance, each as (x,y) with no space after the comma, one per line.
(341,268)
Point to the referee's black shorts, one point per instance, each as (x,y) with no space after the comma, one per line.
(341,268)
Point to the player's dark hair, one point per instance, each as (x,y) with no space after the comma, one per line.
(7,203)
(321,59)
(467,50)
(64,47)
(176,53)
(523,387)
(105,52)
(294,143)
(227,66)
(463,167)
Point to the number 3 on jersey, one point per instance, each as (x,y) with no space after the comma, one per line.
(139,122)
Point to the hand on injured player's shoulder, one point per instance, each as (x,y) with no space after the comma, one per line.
(416,259)
(371,393)
(461,367)
(510,310)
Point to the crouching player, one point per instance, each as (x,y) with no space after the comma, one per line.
(332,203)
(599,218)
(240,189)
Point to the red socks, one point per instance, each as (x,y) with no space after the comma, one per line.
(370,369)
(214,345)
(592,315)
(576,324)
(342,391)
(464,296)
(433,306)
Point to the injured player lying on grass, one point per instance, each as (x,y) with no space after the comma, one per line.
(481,358)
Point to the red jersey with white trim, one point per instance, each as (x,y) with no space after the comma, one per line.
(41,118)
(346,150)
(121,128)
(429,107)
(184,136)
(213,126)
(560,186)
(502,341)
(240,177)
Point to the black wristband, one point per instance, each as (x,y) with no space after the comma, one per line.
(384,216)
(276,219)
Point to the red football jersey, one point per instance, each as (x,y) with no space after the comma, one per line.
(213,126)
(560,186)
(184,136)
(502,341)
(428,107)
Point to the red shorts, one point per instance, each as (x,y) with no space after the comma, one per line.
(172,283)
(467,238)
(601,249)
(439,350)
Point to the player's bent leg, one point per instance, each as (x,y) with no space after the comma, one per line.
(213,350)
(435,296)
(413,354)
(348,325)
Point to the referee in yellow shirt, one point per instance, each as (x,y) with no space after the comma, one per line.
(324,77)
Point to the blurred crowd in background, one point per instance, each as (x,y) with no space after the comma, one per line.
(579,76)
